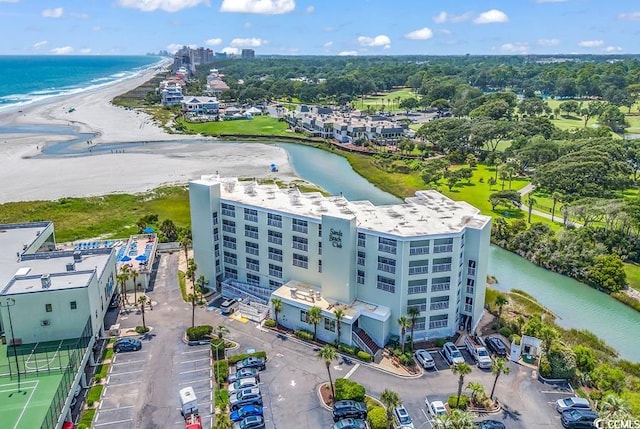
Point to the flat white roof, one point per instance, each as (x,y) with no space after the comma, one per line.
(427,213)
(70,280)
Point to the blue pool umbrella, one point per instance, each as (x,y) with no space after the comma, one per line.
(125,258)
(141,258)
(148,230)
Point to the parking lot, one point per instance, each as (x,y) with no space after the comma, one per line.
(193,368)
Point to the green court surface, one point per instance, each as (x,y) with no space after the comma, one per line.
(36,358)
(27,408)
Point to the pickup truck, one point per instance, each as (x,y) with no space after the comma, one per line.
(478,351)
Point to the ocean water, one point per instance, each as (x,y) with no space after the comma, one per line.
(26,79)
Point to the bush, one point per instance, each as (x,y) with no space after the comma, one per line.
(304,335)
(441,342)
(220,371)
(371,403)
(516,339)
(406,359)
(348,390)
(595,395)
(142,329)
(222,398)
(563,362)
(237,358)
(270,323)
(94,393)
(464,402)
(506,332)
(198,333)
(545,367)
(350,350)
(364,356)
(377,418)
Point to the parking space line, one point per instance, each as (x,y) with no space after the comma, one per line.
(115,409)
(194,381)
(112,423)
(128,372)
(129,362)
(195,351)
(195,360)
(193,370)
(352,370)
(123,384)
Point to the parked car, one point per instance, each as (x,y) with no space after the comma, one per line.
(244,373)
(452,354)
(127,345)
(251,422)
(573,402)
(496,346)
(349,409)
(229,306)
(402,418)
(245,397)
(246,411)
(424,358)
(115,301)
(252,362)
(436,408)
(243,383)
(350,424)
(490,424)
(575,418)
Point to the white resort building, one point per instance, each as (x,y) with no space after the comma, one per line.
(260,242)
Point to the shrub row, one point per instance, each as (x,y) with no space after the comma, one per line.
(270,323)
(362,355)
(506,332)
(198,333)
(304,335)
(377,418)
(350,350)
(222,398)
(237,358)
(453,402)
(626,299)
(349,390)
(220,371)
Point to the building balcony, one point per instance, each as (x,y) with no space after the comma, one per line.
(419,251)
(444,248)
(387,249)
(424,269)
(299,228)
(468,308)
(387,268)
(227,212)
(439,287)
(300,246)
(227,228)
(438,324)
(251,218)
(251,234)
(439,305)
(276,223)
(274,240)
(441,268)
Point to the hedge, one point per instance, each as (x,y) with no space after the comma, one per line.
(197,333)
(270,323)
(86,418)
(349,390)
(506,332)
(350,350)
(453,400)
(237,358)
(304,335)
(362,355)
(94,393)
(377,418)
(222,398)
(220,371)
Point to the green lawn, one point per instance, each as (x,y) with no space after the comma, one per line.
(634,123)
(258,126)
(387,100)
(633,275)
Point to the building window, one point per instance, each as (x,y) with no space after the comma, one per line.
(360,277)
(275,271)
(300,261)
(329,324)
(253,264)
(215,218)
(228,210)
(440,284)
(304,316)
(274,284)
(252,248)
(418,267)
(420,304)
(361,258)
(439,303)
(228,242)
(251,215)
(230,258)
(420,247)
(439,321)
(48,308)
(320,265)
(441,265)
(73,305)
(275,254)
(470,286)
(274,220)
(471,270)
(362,240)
(418,286)
(228,226)
(320,230)
(387,265)
(420,324)
(443,245)
(386,284)
(274,237)
(300,243)
(300,226)
(216,236)
(231,273)
(251,231)
(253,279)
(387,245)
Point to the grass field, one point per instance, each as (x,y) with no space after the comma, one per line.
(389,100)
(258,126)
(633,275)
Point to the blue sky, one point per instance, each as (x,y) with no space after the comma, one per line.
(321,27)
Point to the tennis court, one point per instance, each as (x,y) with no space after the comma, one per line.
(26,408)
(36,358)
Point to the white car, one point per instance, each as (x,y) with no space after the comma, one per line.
(452,354)
(402,418)
(243,383)
(436,408)
(424,358)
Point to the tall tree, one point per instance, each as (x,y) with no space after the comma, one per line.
(500,301)
(314,316)
(123,278)
(134,275)
(498,366)
(276,303)
(555,198)
(530,203)
(328,354)
(192,270)
(169,229)
(221,331)
(548,334)
(477,392)
(186,242)
(339,313)
(403,323)
(390,399)
(142,302)
(460,369)
(413,312)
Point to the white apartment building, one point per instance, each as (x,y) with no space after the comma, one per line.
(373,262)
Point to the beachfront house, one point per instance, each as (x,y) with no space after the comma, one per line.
(200,105)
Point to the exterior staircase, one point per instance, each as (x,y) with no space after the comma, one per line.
(364,341)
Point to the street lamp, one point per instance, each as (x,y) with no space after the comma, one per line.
(10,302)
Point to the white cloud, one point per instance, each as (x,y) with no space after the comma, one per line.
(328,44)
(214,42)
(249,42)
(443,17)
(612,49)
(310,9)
(53,13)
(263,7)
(172,48)
(591,43)
(421,34)
(443,31)
(39,45)
(380,40)
(515,48)
(166,5)
(248,24)
(493,16)
(85,50)
(348,53)
(630,16)
(548,42)
(231,51)
(62,51)
(96,28)
(9,1)
(79,15)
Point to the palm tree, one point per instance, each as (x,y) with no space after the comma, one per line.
(328,354)
(614,408)
(339,313)
(185,243)
(122,278)
(134,275)
(390,399)
(460,369)
(277,307)
(501,300)
(555,198)
(477,391)
(221,330)
(413,313)
(458,419)
(548,335)
(142,301)
(498,366)
(404,323)
(314,316)
(530,203)
(192,269)
(193,299)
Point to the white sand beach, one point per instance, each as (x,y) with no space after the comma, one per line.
(26,174)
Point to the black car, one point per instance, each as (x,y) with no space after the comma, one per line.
(252,362)
(346,409)
(127,345)
(573,419)
(490,424)
(115,301)
(350,424)
(495,345)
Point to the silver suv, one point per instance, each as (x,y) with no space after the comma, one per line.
(452,354)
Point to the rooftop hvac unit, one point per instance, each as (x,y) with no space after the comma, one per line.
(77,256)
(45,279)
(71,266)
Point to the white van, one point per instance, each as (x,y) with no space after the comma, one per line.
(229,306)
(188,402)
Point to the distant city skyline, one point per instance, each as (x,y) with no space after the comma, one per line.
(327,27)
